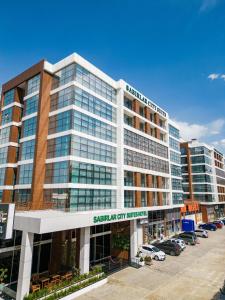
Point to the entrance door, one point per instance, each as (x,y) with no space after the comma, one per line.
(99,248)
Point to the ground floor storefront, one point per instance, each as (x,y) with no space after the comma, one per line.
(211,212)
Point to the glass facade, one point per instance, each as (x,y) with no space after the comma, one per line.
(92,199)
(27,150)
(175,157)
(3,155)
(176,184)
(4,135)
(29,127)
(80,147)
(7,115)
(174,144)
(31,105)
(201,159)
(9,97)
(174,132)
(33,84)
(129,199)
(201,169)
(25,173)
(76,172)
(203,188)
(23,196)
(135,159)
(84,100)
(175,170)
(200,150)
(87,79)
(2,176)
(177,198)
(81,122)
(142,143)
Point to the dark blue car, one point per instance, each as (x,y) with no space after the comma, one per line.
(208,226)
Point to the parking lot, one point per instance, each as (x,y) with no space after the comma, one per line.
(198,273)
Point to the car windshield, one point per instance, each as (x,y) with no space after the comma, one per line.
(155,249)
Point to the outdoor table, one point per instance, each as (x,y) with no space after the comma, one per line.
(55,279)
(44,282)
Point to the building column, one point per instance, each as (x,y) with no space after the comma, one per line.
(140,235)
(133,239)
(84,249)
(24,278)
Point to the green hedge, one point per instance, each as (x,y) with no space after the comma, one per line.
(68,286)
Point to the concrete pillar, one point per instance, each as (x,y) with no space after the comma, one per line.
(133,239)
(140,235)
(84,250)
(24,278)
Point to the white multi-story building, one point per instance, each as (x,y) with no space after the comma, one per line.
(83,154)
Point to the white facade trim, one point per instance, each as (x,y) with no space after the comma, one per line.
(25,162)
(11,105)
(6,187)
(8,165)
(28,138)
(30,116)
(9,144)
(70,185)
(10,124)
(22,186)
(30,95)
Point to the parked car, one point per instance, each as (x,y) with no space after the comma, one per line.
(218,224)
(180,242)
(169,247)
(201,233)
(223,220)
(208,226)
(189,239)
(153,251)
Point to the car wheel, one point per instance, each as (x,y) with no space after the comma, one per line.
(156,257)
(172,253)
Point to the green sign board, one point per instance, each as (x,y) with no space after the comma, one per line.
(119,217)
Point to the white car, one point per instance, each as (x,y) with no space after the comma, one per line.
(180,242)
(153,251)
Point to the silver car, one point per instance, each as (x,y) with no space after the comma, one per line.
(201,233)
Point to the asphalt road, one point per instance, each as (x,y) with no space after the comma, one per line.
(197,274)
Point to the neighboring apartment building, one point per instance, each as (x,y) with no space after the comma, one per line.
(203,178)
(84,158)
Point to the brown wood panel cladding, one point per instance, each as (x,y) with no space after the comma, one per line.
(136,122)
(137,198)
(17,114)
(12,155)
(7,196)
(149,180)
(29,73)
(147,113)
(190,185)
(147,128)
(9,176)
(149,198)
(156,118)
(14,134)
(136,106)
(160,198)
(37,193)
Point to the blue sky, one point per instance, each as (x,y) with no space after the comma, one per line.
(165,48)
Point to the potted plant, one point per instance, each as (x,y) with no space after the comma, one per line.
(148,260)
(141,261)
(3,276)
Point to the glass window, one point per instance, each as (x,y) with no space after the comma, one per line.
(92,199)
(174,132)
(33,84)
(175,157)
(59,146)
(93,174)
(64,76)
(25,174)
(29,127)
(174,144)
(128,103)
(60,122)
(129,199)
(128,178)
(4,135)
(142,143)
(86,148)
(3,155)
(23,196)
(57,172)
(139,160)
(94,127)
(176,184)
(175,170)
(203,188)
(84,100)
(201,169)
(31,105)
(27,150)
(2,176)
(7,115)
(9,97)
(201,159)
(177,198)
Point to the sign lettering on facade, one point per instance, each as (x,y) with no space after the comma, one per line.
(119,217)
(145,100)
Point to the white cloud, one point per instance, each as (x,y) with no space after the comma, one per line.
(219,144)
(213,76)
(197,131)
(208,4)
(223,76)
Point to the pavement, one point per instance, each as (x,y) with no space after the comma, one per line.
(197,274)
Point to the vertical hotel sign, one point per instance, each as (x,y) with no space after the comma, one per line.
(145,100)
(7,212)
